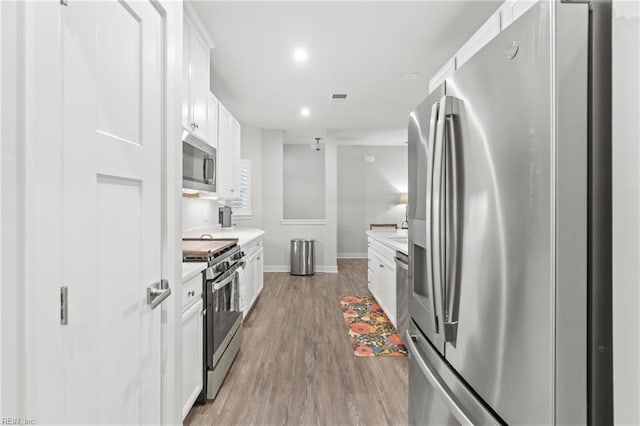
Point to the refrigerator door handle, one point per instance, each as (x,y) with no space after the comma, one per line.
(435,383)
(438,208)
(429,210)
(453,208)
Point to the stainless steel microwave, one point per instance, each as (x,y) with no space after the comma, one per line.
(198,164)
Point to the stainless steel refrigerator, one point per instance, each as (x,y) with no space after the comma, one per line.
(509,236)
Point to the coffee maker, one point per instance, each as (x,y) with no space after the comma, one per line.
(224,216)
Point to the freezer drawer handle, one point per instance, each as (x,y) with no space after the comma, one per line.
(433,380)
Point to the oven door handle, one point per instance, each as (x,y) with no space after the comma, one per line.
(218,286)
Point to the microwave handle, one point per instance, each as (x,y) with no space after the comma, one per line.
(209,170)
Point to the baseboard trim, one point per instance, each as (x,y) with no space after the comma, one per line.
(353,255)
(285,268)
(276,268)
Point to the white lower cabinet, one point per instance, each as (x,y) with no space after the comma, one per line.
(385,285)
(259,272)
(381,277)
(191,355)
(389,289)
(248,286)
(253,276)
(371,278)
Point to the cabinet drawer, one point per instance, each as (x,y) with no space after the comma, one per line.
(252,247)
(384,252)
(191,291)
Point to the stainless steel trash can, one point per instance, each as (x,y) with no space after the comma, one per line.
(303,257)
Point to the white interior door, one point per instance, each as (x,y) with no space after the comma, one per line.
(112,71)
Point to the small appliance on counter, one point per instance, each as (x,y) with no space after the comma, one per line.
(224,216)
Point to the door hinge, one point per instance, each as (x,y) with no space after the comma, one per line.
(64,2)
(64,305)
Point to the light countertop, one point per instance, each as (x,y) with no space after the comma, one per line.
(191,269)
(394,239)
(245,235)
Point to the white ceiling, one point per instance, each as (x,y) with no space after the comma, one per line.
(364,49)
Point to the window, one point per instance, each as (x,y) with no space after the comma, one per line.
(242,206)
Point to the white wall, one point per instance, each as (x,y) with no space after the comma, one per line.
(366,193)
(251,149)
(626,211)
(278,236)
(304,182)
(199,214)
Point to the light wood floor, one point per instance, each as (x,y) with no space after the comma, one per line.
(296,365)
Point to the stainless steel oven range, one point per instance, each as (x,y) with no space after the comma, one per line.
(223,317)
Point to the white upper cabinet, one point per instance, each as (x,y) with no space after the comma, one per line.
(513,9)
(479,39)
(212,119)
(499,21)
(196,48)
(442,74)
(200,59)
(236,142)
(228,154)
(202,113)
(186,76)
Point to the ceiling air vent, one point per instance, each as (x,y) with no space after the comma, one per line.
(338,98)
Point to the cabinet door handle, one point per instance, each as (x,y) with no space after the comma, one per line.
(204,312)
(382,266)
(258,259)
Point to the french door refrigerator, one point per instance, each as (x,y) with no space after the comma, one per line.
(509,236)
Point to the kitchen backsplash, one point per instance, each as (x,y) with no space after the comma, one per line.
(199,213)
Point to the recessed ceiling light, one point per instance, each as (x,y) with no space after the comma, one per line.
(305,112)
(300,55)
(412,76)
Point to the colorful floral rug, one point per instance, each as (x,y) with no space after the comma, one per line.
(370,331)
